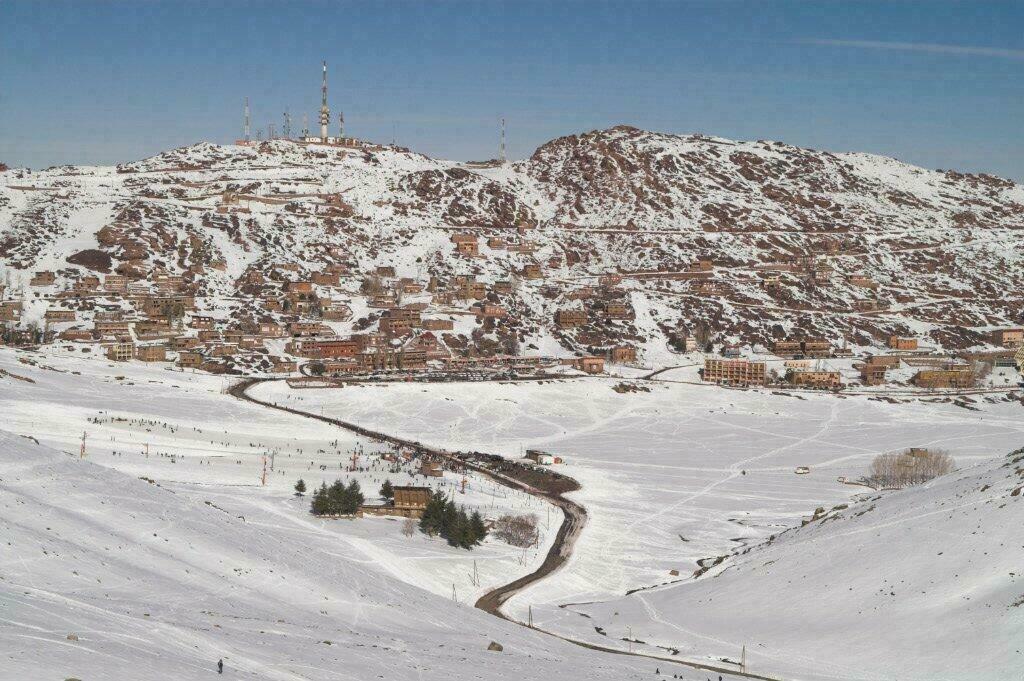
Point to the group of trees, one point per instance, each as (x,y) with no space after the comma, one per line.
(517,530)
(909,467)
(338,499)
(442,517)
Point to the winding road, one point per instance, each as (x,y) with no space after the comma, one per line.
(574,519)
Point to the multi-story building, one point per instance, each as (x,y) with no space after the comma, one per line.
(1008,338)
(739,372)
(825,380)
(901,343)
(151,353)
(954,377)
(120,352)
(571,318)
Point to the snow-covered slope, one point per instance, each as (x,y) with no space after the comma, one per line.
(943,248)
(925,584)
(106,576)
(675,474)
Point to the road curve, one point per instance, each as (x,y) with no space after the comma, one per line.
(574,519)
(574,514)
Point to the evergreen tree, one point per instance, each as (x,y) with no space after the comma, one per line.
(321,504)
(456,530)
(433,514)
(449,517)
(478,529)
(337,496)
(387,491)
(300,487)
(353,497)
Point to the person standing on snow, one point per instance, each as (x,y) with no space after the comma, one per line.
(220,666)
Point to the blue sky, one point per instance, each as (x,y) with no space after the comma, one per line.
(936,83)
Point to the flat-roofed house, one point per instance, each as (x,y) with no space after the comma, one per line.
(1008,338)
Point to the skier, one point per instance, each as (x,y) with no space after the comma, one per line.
(220,666)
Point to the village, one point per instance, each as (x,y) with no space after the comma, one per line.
(434,329)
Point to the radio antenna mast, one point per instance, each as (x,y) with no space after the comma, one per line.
(325,112)
(503,139)
(245,129)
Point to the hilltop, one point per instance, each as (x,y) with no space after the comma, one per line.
(655,237)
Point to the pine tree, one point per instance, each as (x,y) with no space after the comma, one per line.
(449,516)
(456,529)
(321,504)
(431,521)
(387,491)
(300,487)
(478,529)
(336,497)
(353,497)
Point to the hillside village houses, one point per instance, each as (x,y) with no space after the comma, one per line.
(455,319)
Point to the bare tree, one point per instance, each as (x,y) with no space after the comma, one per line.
(909,467)
(409,527)
(517,530)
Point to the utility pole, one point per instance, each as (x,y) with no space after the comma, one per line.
(81,452)
(341,125)
(530,611)
(455,598)
(743,659)
(629,638)
(263,479)
(305,126)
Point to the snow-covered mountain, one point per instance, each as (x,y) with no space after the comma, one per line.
(938,253)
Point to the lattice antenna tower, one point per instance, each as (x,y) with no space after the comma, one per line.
(502,150)
(245,126)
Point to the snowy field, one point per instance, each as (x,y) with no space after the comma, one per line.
(672,475)
(180,430)
(104,576)
(108,576)
(205,560)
